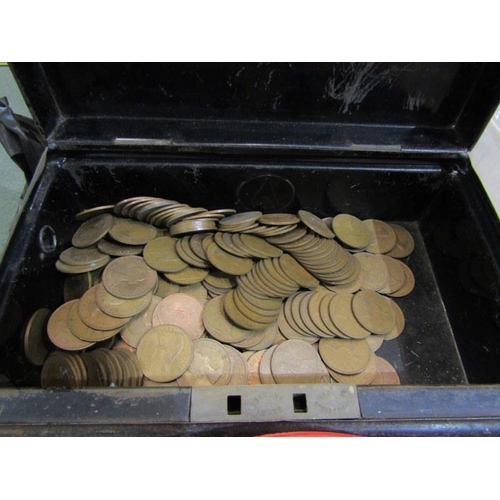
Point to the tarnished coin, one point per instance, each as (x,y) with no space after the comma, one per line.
(193,226)
(83,256)
(60,371)
(160,254)
(254,362)
(121,344)
(188,276)
(166,288)
(241,219)
(131,232)
(341,313)
(297,362)
(134,330)
(314,223)
(218,324)
(375,272)
(92,230)
(228,263)
(278,219)
(399,322)
(197,290)
(374,312)
(183,311)
(121,308)
(239,367)
(375,342)
(83,331)
(396,275)
(92,212)
(117,249)
(92,315)
(70,269)
(297,273)
(409,283)
(383,237)
(386,373)
(259,247)
(129,277)
(59,332)
(405,244)
(345,356)
(211,365)
(365,377)
(351,231)
(265,371)
(35,341)
(165,353)
(240,318)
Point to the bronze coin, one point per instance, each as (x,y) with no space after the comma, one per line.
(365,377)
(218,324)
(117,249)
(265,371)
(76,285)
(405,244)
(83,331)
(121,308)
(93,316)
(239,219)
(92,212)
(131,232)
(347,357)
(386,373)
(341,313)
(297,273)
(165,353)
(134,330)
(129,277)
(92,230)
(83,256)
(254,367)
(314,223)
(188,276)
(396,278)
(183,311)
(239,367)
(59,332)
(351,231)
(228,263)
(400,322)
(70,269)
(211,365)
(35,341)
(374,312)
(383,237)
(375,272)
(297,362)
(409,283)
(59,371)
(278,219)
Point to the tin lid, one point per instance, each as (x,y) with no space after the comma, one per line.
(389,107)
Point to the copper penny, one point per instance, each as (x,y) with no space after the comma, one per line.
(351,231)
(181,310)
(92,230)
(211,365)
(254,368)
(239,367)
(35,341)
(121,308)
(405,244)
(59,332)
(409,283)
(134,330)
(345,356)
(341,313)
(131,232)
(314,223)
(92,315)
(129,277)
(383,237)
(165,353)
(83,331)
(278,219)
(400,322)
(386,373)
(374,312)
(365,377)
(297,362)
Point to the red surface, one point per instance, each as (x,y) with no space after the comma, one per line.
(309,434)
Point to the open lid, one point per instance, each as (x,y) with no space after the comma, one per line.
(416,107)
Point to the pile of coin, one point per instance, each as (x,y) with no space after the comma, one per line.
(189,296)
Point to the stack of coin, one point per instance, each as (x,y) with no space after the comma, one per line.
(218,283)
(98,368)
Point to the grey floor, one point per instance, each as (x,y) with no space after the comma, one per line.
(12,181)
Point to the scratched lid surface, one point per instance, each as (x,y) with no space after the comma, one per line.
(389,107)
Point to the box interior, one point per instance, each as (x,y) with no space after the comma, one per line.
(452,333)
